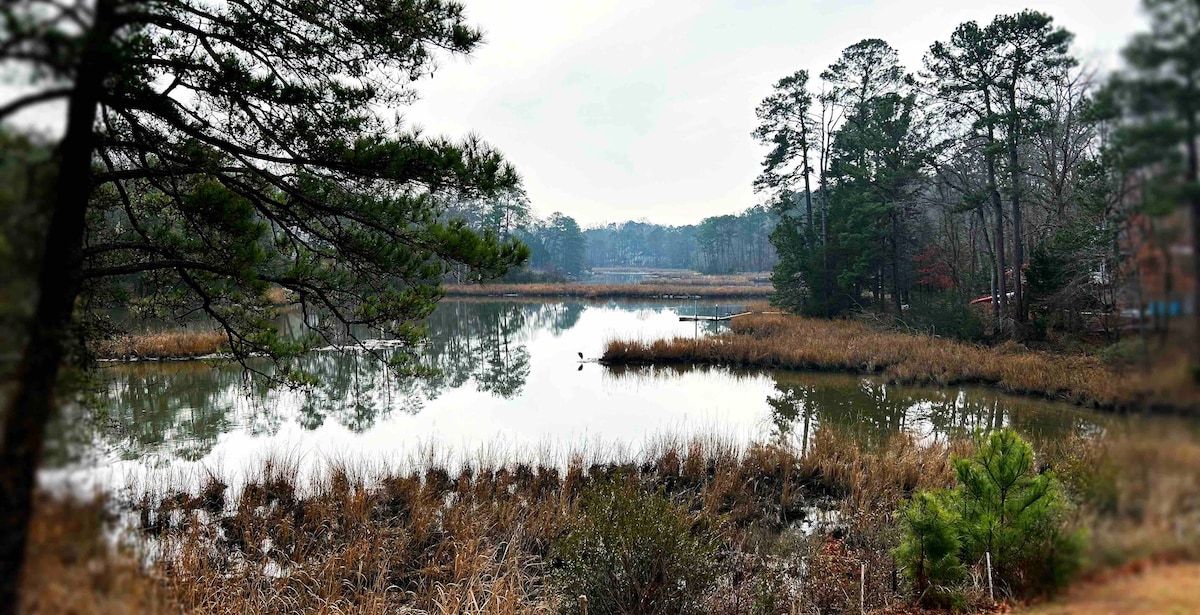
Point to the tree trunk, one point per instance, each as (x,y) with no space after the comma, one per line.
(998,208)
(58,286)
(1193,179)
(896,302)
(1014,173)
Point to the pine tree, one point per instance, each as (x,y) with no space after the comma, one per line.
(930,548)
(1014,514)
(786,123)
(1031,52)
(1002,508)
(213,150)
(1160,97)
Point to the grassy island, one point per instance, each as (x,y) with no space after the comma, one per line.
(794,342)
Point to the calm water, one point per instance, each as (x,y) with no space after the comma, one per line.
(509,379)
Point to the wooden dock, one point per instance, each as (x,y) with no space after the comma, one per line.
(712,318)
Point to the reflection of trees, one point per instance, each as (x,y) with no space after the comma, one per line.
(802,402)
(181,409)
(186,404)
(875,410)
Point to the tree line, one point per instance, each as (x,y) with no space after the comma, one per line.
(1003,171)
(718,244)
(558,245)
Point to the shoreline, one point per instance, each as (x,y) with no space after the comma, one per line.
(507,520)
(609,291)
(771,341)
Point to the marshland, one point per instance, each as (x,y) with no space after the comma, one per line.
(458,307)
(475,486)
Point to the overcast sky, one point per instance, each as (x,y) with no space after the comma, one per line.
(643,108)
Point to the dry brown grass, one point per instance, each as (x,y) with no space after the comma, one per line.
(166,345)
(278,295)
(1137,489)
(646,290)
(1152,589)
(71,570)
(735,279)
(479,540)
(793,342)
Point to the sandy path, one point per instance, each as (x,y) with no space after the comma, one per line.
(1158,589)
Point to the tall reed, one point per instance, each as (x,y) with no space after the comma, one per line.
(797,522)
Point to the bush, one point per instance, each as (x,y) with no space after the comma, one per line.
(1001,507)
(1125,353)
(945,314)
(632,551)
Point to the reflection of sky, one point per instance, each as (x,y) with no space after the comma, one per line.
(557,408)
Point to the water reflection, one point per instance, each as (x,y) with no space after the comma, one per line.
(801,402)
(180,409)
(509,371)
(875,410)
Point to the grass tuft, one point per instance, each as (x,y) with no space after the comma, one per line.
(167,345)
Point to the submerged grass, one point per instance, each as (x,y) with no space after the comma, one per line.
(793,342)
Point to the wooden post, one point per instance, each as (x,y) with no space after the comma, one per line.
(862,589)
(991,592)
(583,605)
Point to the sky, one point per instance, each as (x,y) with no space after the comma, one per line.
(617,110)
(643,109)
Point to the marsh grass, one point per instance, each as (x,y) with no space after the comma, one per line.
(793,342)
(734,279)
(1137,490)
(72,567)
(480,538)
(165,345)
(793,523)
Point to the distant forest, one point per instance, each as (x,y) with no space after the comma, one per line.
(559,246)
(718,244)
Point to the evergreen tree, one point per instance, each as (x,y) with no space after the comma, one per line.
(962,73)
(786,123)
(219,149)
(1031,52)
(930,548)
(1015,514)
(1002,508)
(1160,96)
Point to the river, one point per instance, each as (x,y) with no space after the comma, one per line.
(507,380)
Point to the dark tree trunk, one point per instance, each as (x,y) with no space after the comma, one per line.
(58,286)
(1014,172)
(1001,304)
(1193,178)
(807,172)
(896,300)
